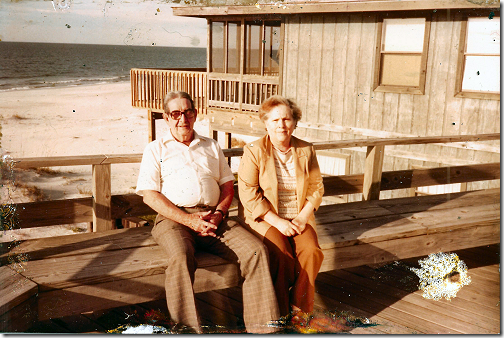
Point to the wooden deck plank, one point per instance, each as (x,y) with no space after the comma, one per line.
(108,319)
(216,316)
(370,230)
(20,318)
(59,246)
(469,298)
(412,217)
(474,322)
(222,302)
(323,302)
(406,225)
(48,326)
(487,273)
(120,292)
(342,293)
(423,313)
(397,249)
(443,201)
(79,324)
(15,289)
(235,293)
(409,283)
(352,211)
(107,266)
(489,287)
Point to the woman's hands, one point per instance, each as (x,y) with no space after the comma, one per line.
(286,228)
(294,227)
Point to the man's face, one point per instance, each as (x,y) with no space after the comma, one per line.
(181,129)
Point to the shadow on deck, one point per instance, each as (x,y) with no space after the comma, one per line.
(386,294)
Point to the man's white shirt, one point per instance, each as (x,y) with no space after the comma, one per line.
(186,175)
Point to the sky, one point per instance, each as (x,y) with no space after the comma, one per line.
(113,22)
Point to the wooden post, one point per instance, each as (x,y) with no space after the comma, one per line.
(214,133)
(152,125)
(102,197)
(227,144)
(373,173)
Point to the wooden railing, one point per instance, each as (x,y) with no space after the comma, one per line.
(103,208)
(236,92)
(231,91)
(149,87)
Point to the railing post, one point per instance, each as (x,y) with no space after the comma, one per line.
(102,197)
(227,144)
(152,125)
(372,173)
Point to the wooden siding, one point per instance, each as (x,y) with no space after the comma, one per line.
(328,69)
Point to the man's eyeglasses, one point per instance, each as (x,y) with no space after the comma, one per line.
(177,114)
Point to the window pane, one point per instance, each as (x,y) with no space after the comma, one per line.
(482,74)
(400,70)
(253,48)
(272,46)
(483,35)
(234,33)
(217,47)
(403,35)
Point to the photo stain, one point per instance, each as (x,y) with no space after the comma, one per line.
(442,275)
(155,321)
(8,216)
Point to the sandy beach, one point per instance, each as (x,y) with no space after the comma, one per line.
(81,120)
(68,121)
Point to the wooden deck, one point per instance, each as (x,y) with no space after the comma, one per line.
(70,281)
(386,294)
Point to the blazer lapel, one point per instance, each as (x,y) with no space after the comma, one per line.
(270,173)
(300,162)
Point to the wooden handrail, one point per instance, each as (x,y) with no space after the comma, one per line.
(373,142)
(131,205)
(370,182)
(56,161)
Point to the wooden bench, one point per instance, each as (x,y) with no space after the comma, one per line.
(69,275)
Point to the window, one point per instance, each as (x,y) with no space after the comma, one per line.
(226,42)
(402,55)
(262,44)
(479,59)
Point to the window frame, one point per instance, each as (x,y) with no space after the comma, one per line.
(418,90)
(459,92)
(264,23)
(226,34)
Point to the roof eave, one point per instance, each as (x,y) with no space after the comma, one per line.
(333,7)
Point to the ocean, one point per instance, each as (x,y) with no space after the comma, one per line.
(26,65)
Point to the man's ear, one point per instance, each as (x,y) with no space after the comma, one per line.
(165,116)
(195,113)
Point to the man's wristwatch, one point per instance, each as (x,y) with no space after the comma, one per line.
(224,214)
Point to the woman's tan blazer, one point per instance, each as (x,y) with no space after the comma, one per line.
(258,185)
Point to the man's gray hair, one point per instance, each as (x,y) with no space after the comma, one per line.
(176,95)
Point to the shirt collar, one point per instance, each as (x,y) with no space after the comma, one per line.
(168,137)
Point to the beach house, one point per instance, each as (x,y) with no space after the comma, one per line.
(357,69)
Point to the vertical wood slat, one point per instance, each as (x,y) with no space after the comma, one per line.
(373,167)
(102,197)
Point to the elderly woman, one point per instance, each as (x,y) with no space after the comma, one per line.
(280,187)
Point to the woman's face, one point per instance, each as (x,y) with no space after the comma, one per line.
(280,125)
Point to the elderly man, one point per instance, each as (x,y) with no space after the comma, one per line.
(184,177)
